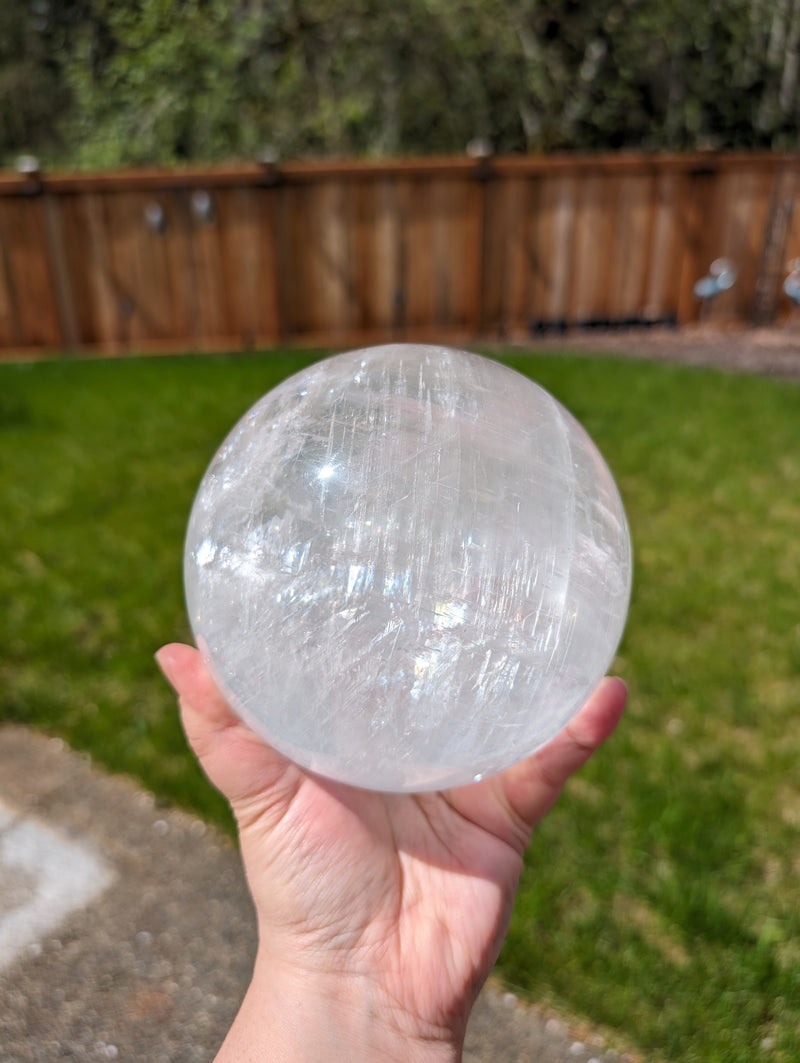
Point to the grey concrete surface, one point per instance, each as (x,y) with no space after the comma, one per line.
(127,933)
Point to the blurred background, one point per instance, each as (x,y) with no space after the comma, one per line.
(101,83)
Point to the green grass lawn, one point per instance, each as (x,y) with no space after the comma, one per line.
(662,896)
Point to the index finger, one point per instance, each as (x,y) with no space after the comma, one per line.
(532,787)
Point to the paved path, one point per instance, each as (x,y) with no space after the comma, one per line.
(126,930)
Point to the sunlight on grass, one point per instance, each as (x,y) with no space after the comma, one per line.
(660,896)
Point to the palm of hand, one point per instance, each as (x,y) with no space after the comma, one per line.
(371,886)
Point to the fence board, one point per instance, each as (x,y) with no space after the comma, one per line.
(664,274)
(247,239)
(632,250)
(522,264)
(183,291)
(213,315)
(28,276)
(10,335)
(241,239)
(700,210)
(419,269)
(324,252)
(61,272)
(377,274)
(593,243)
(104,296)
(558,245)
(742,241)
(776,261)
(81,327)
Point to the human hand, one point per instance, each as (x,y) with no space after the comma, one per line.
(379,915)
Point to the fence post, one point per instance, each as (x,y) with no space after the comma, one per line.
(771,265)
(483,174)
(59,271)
(699,235)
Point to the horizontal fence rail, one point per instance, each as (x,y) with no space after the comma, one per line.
(345,253)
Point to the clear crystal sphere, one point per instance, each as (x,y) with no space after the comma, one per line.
(407,567)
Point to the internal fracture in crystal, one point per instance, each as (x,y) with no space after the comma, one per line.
(407,567)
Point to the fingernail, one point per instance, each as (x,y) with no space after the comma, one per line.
(165,661)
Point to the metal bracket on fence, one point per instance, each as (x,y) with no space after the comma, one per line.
(203,206)
(271,175)
(721,277)
(155,218)
(27,166)
(481,150)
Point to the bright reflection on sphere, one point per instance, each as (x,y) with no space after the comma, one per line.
(407,567)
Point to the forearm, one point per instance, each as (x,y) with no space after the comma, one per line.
(288,1019)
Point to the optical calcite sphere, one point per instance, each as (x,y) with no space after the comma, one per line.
(407,567)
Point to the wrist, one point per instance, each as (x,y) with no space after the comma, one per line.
(304,1017)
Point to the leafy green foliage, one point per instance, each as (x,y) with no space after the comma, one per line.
(660,895)
(34,43)
(110,82)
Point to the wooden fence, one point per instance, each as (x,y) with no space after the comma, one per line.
(346,253)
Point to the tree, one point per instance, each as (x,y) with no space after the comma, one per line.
(34,45)
(109,82)
(158,84)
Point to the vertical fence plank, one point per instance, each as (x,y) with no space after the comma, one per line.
(75,248)
(152,279)
(40,292)
(10,332)
(376,234)
(27,266)
(494,266)
(631,221)
(99,268)
(538,256)
(290,238)
(520,256)
(61,273)
(476,249)
(594,241)
(446,265)
(184,320)
(700,205)
(741,241)
(210,274)
(455,220)
(245,245)
(8,326)
(122,266)
(777,255)
(788,260)
(234,213)
(310,309)
(130,249)
(419,282)
(269,295)
(662,293)
(556,243)
(333,257)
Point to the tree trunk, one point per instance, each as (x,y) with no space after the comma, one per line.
(791,58)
